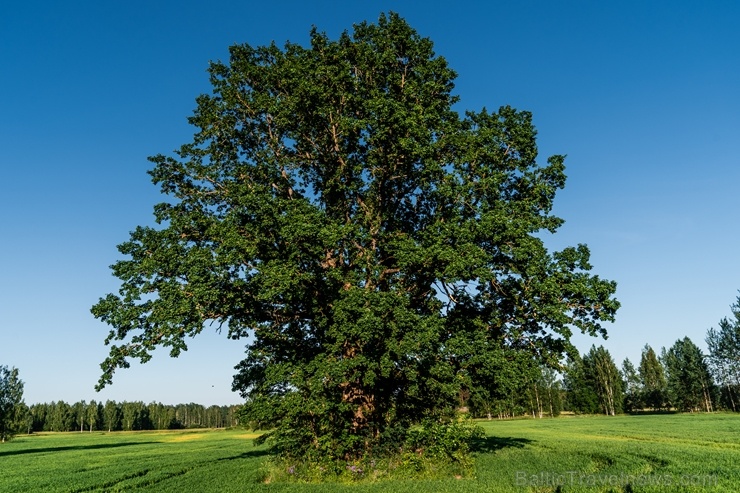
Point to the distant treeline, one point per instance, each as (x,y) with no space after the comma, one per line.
(680,378)
(122,416)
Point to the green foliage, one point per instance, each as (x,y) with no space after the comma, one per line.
(23,419)
(431,450)
(652,379)
(111,415)
(689,383)
(506,378)
(594,384)
(605,378)
(378,249)
(516,383)
(128,416)
(11,397)
(549,392)
(581,395)
(632,387)
(444,442)
(724,356)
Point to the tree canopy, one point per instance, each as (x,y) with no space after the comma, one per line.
(11,397)
(652,379)
(724,354)
(594,383)
(376,249)
(690,386)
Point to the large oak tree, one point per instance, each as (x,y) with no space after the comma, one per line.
(375,248)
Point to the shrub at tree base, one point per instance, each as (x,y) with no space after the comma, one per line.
(432,450)
(378,250)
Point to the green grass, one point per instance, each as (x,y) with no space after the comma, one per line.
(578,453)
(629,451)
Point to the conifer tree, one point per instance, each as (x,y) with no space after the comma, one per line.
(652,379)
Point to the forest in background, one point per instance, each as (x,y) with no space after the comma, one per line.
(121,416)
(680,378)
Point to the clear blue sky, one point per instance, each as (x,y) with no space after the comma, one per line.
(642,96)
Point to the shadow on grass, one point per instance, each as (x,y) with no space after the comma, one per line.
(493,444)
(72,447)
(644,412)
(247,455)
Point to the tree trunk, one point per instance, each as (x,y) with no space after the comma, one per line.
(729,393)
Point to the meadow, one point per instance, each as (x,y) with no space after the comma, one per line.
(651,453)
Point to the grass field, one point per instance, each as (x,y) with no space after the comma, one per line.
(663,453)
